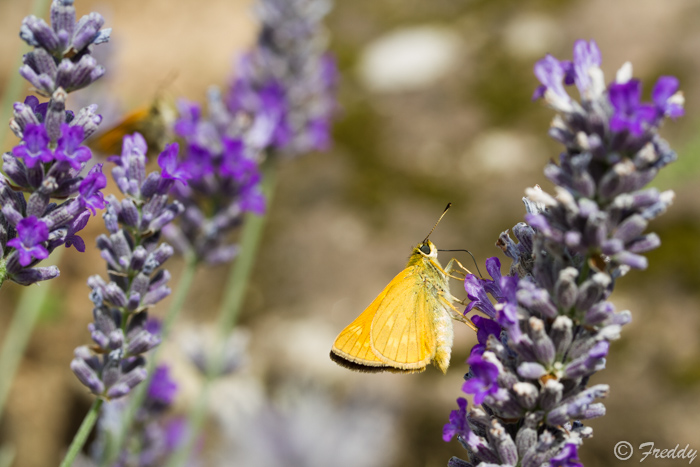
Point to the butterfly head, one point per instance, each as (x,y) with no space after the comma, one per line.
(427,249)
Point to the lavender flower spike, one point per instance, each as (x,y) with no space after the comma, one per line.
(42,191)
(61,56)
(121,330)
(156,432)
(551,325)
(287,81)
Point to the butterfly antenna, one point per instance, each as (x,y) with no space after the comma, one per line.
(470,254)
(438,221)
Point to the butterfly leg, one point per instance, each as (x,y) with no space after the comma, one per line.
(451,267)
(456,314)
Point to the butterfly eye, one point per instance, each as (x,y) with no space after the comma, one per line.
(425,248)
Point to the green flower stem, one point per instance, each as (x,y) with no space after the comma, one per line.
(229,312)
(7,455)
(83,432)
(115,445)
(17,336)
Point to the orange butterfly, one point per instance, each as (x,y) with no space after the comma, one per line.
(407,326)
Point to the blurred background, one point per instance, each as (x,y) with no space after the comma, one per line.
(434,107)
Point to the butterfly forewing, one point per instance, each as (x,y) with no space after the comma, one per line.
(402,334)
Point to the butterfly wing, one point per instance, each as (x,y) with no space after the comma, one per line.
(402,333)
(352,347)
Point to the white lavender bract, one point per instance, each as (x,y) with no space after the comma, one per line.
(552,325)
(121,331)
(48,162)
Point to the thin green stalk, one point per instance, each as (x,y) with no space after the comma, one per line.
(229,312)
(14,85)
(182,288)
(7,455)
(17,336)
(83,432)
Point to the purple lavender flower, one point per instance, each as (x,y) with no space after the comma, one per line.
(586,58)
(287,81)
(551,73)
(90,195)
(458,421)
(630,114)
(665,95)
(31,233)
(172,169)
(486,327)
(69,148)
(221,171)
(61,56)
(567,458)
(280,102)
(550,323)
(46,165)
(35,146)
(155,433)
(162,388)
(122,331)
(482,380)
(72,237)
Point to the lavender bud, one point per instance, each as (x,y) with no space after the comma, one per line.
(138,259)
(562,334)
(34,275)
(551,394)
(526,394)
(592,290)
(140,284)
(134,301)
(543,346)
(115,295)
(85,373)
(142,342)
(505,445)
(457,462)
(56,114)
(116,339)
(527,435)
(156,295)
(531,370)
(129,213)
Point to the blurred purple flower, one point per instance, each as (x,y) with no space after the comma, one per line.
(664,90)
(163,388)
(172,169)
(629,114)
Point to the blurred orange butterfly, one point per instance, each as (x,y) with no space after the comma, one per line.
(408,326)
(153,122)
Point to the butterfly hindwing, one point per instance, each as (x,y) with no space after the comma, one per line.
(353,343)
